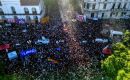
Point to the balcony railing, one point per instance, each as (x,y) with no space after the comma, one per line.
(1,13)
(22,13)
(34,12)
(107,1)
(121,9)
(106,9)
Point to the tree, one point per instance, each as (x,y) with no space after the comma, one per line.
(117,65)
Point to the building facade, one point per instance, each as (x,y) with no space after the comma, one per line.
(29,10)
(106,9)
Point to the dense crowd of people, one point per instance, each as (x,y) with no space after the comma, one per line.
(23,37)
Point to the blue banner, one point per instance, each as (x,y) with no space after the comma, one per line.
(20,21)
(28,52)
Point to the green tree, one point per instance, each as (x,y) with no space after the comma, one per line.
(117,65)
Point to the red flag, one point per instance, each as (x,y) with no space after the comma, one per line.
(4,46)
(106,51)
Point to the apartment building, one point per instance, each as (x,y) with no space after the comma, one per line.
(106,9)
(29,10)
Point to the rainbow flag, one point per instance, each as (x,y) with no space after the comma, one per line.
(52,60)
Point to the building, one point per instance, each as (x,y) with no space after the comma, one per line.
(29,10)
(106,9)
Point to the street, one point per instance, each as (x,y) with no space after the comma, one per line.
(61,45)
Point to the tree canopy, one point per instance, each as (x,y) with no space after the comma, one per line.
(117,65)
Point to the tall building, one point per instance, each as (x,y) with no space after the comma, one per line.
(29,10)
(105,9)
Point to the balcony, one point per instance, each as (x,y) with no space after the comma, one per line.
(121,9)
(34,12)
(1,13)
(20,14)
(27,12)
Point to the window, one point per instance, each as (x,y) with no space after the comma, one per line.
(102,15)
(36,19)
(26,10)
(111,14)
(124,7)
(3,17)
(28,19)
(113,6)
(0,3)
(105,5)
(13,10)
(15,17)
(34,11)
(92,15)
(93,6)
(116,14)
(84,4)
(88,5)
(1,12)
(119,5)
(123,13)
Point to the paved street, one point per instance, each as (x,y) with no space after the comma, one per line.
(67,14)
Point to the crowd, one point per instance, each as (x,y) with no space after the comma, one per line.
(90,31)
(23,37)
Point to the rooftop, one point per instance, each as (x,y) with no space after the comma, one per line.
(29,2)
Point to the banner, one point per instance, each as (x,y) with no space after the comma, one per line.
(52,60)
(12,55)
(10,20)
(58,49)
(20,21)
(80,18)
(4,46)
(95,18)
(100,40)
(107,50)
(45,19)
(28,52)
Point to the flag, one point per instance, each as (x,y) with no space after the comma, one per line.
(4,46)
(52,60)
(106,50)
(10,20)
(45,19)
(20,21)
(80,18)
